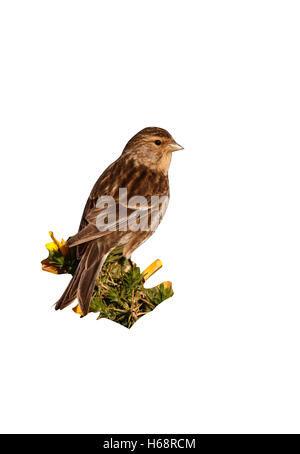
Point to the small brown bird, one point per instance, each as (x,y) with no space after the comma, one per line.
(141,172)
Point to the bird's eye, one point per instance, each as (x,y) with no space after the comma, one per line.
(158,142)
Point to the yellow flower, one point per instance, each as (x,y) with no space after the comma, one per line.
(77,310)
(56,245)
(151,269)
(167,284)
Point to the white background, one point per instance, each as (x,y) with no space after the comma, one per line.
(78,79)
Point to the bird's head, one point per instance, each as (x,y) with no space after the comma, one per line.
(152,147)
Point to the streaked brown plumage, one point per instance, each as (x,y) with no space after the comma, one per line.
(142,169)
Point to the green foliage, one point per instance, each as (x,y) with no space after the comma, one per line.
(158,294)
(63,263)
(119,293)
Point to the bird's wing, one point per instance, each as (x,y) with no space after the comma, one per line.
(99,224)
(123,213)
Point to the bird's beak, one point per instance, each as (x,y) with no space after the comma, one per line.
(174,147)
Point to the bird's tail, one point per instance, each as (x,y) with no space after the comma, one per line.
(83,282)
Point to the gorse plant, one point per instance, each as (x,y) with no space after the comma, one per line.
(119,293)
